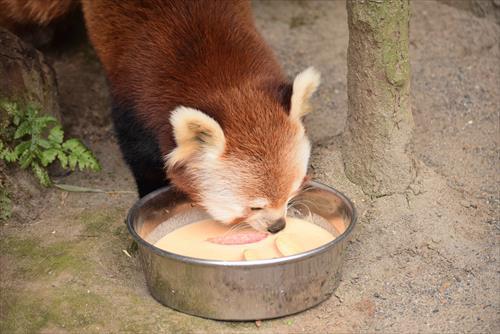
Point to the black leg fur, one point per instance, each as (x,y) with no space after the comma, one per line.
(140,150)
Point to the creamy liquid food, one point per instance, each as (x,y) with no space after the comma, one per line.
(194,240)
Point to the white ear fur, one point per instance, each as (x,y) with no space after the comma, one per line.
(194,131)
(304,85)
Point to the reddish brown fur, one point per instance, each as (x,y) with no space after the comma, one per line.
(148,53)
(256,126)
(202,54)
(40,12)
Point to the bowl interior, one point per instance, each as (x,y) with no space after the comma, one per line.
(167,209)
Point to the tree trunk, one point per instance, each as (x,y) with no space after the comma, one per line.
(379,123)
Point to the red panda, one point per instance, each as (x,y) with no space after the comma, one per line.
(28,12)
(199,100)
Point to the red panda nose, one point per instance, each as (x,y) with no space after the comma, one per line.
(277,225)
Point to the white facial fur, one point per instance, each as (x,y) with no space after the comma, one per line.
(219,183)
(224,200)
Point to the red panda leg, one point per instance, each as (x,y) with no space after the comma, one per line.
(140,150)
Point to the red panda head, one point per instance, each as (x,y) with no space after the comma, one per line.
(247,166)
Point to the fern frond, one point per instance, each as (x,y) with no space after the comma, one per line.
(35,141)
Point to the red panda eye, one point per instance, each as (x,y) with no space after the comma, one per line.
(256,209)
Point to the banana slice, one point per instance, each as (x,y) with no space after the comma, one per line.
(251,254)
(287,244)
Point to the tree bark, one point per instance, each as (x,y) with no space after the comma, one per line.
(379,123)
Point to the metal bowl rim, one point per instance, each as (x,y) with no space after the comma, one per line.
(242,264)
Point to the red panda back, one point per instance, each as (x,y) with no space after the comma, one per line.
(162,54)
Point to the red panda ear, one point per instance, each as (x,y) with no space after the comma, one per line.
(194,132)
(304,85)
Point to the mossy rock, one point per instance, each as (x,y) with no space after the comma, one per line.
(25,78)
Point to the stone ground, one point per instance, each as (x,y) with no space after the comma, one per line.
(423,261)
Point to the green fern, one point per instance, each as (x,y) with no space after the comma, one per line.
(35,141)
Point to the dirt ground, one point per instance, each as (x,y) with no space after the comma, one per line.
(423,261)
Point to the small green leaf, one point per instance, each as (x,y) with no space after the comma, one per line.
(22,130)
(25,159)
(6,153)
(72,144)
(43,143)
(48,156)
(10,155)
(56,135)
(72,160)
(41,174)
(80,155)
(87,160)
(22,147)
(43,121)
(63,159)
(11,107)
(31,113)
(16,120)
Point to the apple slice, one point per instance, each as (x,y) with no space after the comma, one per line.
(251,254)
(287,244)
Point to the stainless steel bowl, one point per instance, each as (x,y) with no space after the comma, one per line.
(243,290)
